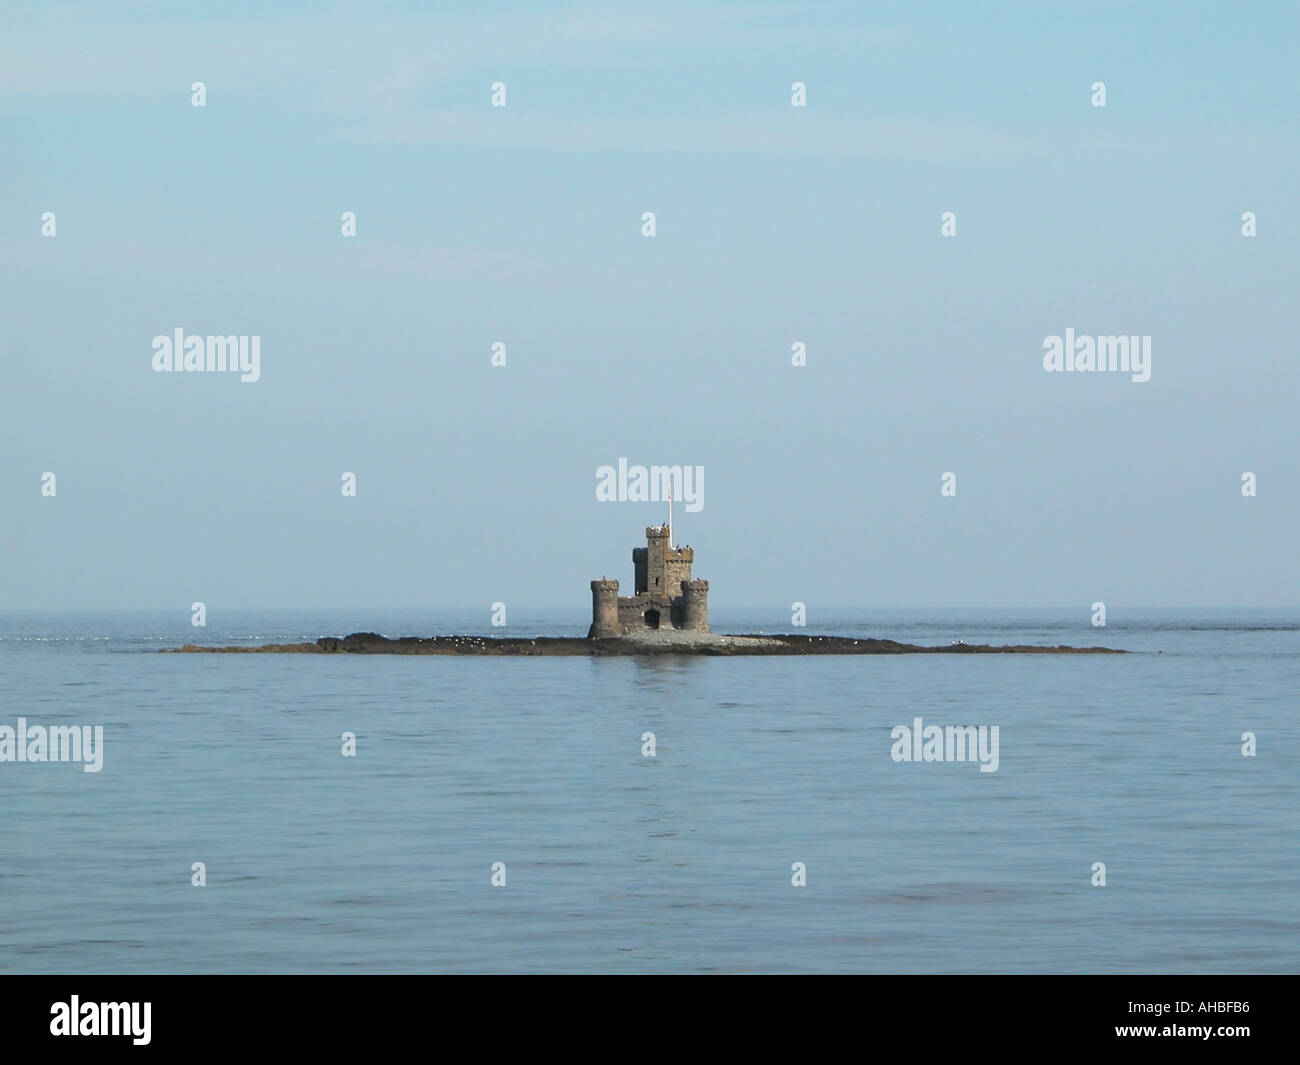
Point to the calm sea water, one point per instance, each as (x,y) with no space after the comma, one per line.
(677,863)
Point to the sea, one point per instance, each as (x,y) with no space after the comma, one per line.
(670,814)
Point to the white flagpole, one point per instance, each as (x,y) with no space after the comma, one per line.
(670,514)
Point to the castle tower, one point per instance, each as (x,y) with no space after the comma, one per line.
(660,569)
(666,597)
(604,610)
(695,597)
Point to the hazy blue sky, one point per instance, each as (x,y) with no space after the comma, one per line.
(775,224)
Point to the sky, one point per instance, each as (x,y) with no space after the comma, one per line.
(522,225)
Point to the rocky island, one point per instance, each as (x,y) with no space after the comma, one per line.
(370,643)
(667,615)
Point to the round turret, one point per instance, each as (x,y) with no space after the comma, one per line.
(695,601)
(604,610)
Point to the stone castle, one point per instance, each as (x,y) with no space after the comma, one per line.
(666,596)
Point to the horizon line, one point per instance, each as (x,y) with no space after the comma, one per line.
(1110,608)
